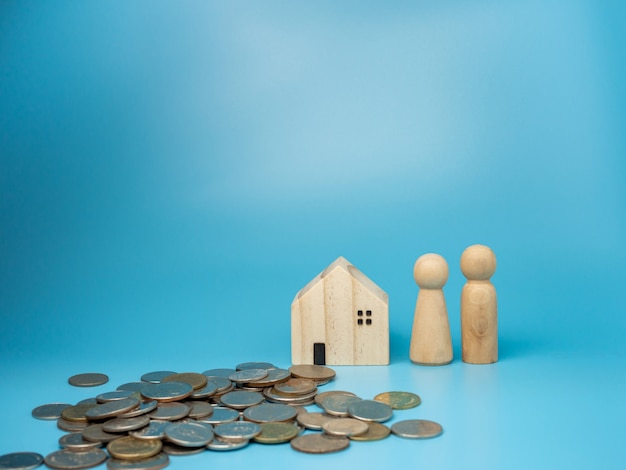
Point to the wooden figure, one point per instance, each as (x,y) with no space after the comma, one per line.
(431,343)
(340,318)
(479,310)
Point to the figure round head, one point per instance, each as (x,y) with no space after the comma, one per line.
(430,271)
(478,263)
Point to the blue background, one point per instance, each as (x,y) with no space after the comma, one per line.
(172,173)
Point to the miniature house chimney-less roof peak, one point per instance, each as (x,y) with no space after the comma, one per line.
(341,317)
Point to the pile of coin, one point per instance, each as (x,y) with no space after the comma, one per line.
(140,424)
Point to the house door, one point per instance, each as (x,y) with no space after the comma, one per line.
(319,354)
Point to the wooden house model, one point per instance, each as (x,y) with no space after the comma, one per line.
(340,318)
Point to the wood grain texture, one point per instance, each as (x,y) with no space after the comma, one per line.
(344,310)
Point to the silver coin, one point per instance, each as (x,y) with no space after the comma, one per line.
(223,383)
(167,391)
(126,424)
(271,395)
(370,410)
(337,405)
(313,421)
(255,365)
(237,430)
(111,409)
(133,386)
(274,376)
(157,462)
(218,444)
(317,443)
(71,426)
(116,395)
(189,434)
(221,415)
(75,441)
(49,411)
(207,391)
(157,376)
(154,430)
(416,429)
(345,427)
(320,397)
(95,433)
(240,399)
(199,409)
(269,412)
(248,375)
(174,449)
(90,379)
(88,401)
(21,460)
(295,387)
(224,373)
(65,459)
(145,406)
(170,411)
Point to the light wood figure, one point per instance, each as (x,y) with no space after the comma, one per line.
(340,318)
(431,343)
(479,309)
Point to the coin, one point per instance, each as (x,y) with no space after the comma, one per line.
(174,449)
(116,395)
(237,430)
(314,372)
(276,433)
(240,399)
(189,434)
(248,375)
(167,391)
(221,415)
(295,387)
(268,412)
(77,412)
(111,408)
(345,427)
(21,460)
(156,376)
(126,424)
(313,420)
(170,411)
(145,406)
(219,445)
(207,391)
(131,448)
(320,397)
(319,443)
(416,429)
(75,441)
(337,405)
(224,373)
(66,459)
(154,430)
(49,411)
(255,365)
(91,379)
(370,410)
(270,395)
(197,381)
(71,426)
(199,409)
(274,376)
(132,386)
(95,433)
(375,432)
(156,462)
(399,400)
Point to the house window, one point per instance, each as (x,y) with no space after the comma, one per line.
(360,314)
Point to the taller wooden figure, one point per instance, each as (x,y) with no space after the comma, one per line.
(431,343)
(479,308)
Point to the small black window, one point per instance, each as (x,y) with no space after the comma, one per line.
(360,321)
(368,321)
(360,313)
(368,313)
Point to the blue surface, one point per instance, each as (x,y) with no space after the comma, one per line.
(171,175)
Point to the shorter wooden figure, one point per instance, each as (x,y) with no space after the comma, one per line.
(479,310)
(431,343)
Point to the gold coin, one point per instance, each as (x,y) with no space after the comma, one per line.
(399,400)
(276,433)
(375,432)
(197,381)
(312,372)
(129,448)
(76,413)
(319,443)
(345,427)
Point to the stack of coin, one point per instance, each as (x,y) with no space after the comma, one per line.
(169,413)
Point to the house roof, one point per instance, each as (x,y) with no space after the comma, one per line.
(344,264)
